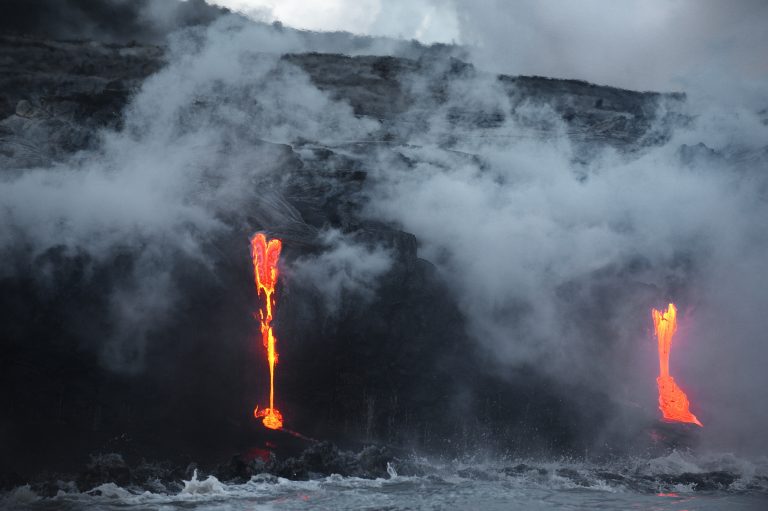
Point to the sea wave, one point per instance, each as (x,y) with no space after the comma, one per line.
(720,478)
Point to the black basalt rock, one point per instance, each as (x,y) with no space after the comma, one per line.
(105,468)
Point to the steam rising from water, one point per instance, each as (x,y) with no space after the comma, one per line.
(557,263)
(181,171)
(555,260)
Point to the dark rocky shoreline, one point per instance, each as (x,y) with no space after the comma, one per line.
(325,459)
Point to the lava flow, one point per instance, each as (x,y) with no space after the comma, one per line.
(673,402)
(265,256)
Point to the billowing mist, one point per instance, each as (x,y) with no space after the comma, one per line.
(423,195)
(711,49)
(556,261)
(187,161)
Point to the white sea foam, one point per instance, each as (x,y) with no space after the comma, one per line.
(493,485)
(417,494)
(21,495)
(673,463)
(208,486)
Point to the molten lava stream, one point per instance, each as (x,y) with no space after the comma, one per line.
(673,402)
(265,256)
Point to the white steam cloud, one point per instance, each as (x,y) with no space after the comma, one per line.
(556,263)
(344,270)
(201,142)
(712,49)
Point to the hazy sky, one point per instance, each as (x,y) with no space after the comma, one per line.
(426,20)
(638,44)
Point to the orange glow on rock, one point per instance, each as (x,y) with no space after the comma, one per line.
(265,256)
(270,417)
(673,402)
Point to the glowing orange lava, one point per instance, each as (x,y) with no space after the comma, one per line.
(265,256)
(673,402)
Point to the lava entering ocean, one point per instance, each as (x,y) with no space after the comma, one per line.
(265,256)
(673,402)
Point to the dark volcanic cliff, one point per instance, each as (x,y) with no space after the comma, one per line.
(388,368)
(55,95)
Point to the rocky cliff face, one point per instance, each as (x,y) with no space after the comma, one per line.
(57,95)
(396,365)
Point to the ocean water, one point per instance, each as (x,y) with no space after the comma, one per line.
(634,484)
